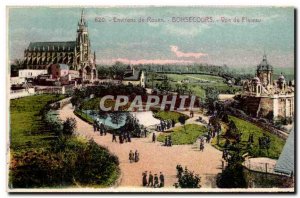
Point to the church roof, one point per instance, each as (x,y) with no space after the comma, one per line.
(135,77)
(52,46)
(285,163)
(264,65)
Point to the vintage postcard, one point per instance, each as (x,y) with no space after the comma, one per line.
(150,99)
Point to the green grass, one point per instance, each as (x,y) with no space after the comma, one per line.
(84,116)
(37,153)
(198,83)
(181,136)
(26,125)
(246,128)
(166,115)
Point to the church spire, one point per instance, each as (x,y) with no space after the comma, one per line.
(82,21)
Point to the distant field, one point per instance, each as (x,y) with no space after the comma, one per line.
(199,82)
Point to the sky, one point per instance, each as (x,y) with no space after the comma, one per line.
(214,42)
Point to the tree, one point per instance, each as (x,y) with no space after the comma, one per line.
(182,120)
(233,175)
(103,115)
(77,98)
(69,126)
(211,97)
(15,67)
(117,117)
(117,70)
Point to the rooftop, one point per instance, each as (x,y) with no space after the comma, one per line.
(134,77)
(264,65)
(52,46)
(285,163)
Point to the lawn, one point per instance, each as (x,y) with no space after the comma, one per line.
(84,116)
(181,136)
(40,158)
(166,115)
(26,125)
(246,128)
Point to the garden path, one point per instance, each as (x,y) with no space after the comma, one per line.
(153,156)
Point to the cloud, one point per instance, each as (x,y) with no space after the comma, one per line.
(144,61)
(179,53)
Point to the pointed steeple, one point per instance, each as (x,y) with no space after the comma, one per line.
(82,16)
(265,56)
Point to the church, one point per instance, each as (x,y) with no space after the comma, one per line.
(264,97)
(76,54)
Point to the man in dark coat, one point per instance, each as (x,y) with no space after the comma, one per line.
(155,181)
(144,178)
(150,181)
(114,138)
(153,137)
(162,180)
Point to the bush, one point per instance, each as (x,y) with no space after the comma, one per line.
(83,163)
(187,179)
(233,175)
(69,126)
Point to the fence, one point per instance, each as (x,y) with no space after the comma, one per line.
(67,89)
(21,93)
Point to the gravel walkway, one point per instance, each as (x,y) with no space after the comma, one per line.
(153,156)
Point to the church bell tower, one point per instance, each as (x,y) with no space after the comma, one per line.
(82,41)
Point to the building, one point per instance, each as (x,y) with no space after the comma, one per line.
(134,77)
(31,73)
(76,54)
(58,70)
(264,97)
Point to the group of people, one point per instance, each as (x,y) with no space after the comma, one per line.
(168,141)
(99,127)
(141,132)
(153,181)
(134,157)
(123,137)
(165,124)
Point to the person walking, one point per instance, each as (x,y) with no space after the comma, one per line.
(150,180)
(153,137)
(94,126)
(131,156)
(173,123)
(144,182)
(114,138)
(201,146)
(145,132)
(136,156)
(155,181)
(162,180)
(166,141)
